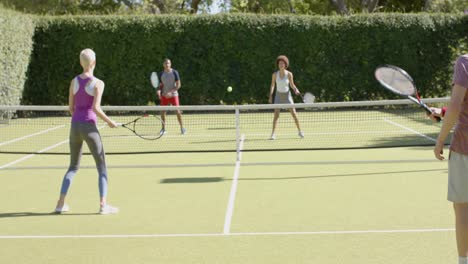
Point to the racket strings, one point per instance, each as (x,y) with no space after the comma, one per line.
(148,127)
(308,98)
(395,80)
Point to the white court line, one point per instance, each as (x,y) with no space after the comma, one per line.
(329,232)
(245,164)
(31,135)
(409,129)
(267,136)
(32,155)
(232,195)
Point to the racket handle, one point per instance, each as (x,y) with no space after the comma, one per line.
(429,111)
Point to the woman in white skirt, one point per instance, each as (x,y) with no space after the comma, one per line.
(283,80)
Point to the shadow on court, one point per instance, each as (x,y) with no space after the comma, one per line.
(220,179)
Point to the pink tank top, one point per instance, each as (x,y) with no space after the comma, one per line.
(83,111)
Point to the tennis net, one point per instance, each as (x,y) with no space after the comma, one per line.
(233,128)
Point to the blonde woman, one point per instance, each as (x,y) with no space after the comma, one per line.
(85,105)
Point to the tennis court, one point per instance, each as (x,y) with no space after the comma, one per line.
(359,188)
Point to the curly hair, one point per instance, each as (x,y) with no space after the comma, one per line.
(284,59)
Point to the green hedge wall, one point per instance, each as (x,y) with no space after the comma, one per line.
(333,57)
(16,32)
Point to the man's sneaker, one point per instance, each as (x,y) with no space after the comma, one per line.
(108,209)
(301,135)
(273,137)
(162,132)
(183,131)
(62,209)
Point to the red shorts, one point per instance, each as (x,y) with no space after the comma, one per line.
(170,101)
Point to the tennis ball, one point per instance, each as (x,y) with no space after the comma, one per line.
(229,89)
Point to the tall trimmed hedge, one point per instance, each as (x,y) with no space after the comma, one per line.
(333,57)
(16,32)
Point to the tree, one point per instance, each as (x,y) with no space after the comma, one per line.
(427,5)
(369,5)
(340,6)
(58,7)
(322,7)
(161,7)
(291,7)
(178,6)
(194,6)
(263,6)
(447,5)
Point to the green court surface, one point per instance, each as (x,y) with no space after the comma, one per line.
(334,206)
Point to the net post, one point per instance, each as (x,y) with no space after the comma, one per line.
(238,139)
(5,116)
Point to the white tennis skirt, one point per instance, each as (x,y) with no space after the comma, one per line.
(283,98)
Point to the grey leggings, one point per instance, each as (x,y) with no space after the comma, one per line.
(88,132)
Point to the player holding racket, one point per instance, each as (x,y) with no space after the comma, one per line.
(167,92)
(85,103)
(457,113)
(284,82)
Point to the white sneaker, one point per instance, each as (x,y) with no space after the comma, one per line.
(108,209)
(64,208)
(273,137)
(183,131)
(162,132)
(301,135)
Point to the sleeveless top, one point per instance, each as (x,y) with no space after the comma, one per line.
(282,84)
(83,91)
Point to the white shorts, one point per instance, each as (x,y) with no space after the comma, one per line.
(457,178)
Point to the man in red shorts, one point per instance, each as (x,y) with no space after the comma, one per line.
(167,92)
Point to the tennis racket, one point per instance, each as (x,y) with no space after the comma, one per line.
(154,80)
(148,127)
(400,82)
(308,98)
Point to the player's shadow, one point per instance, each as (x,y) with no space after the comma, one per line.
(37,214)
(220,179)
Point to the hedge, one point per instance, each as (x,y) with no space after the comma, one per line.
(333,57)
(16,32)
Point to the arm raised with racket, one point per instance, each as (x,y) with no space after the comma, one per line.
(400,82)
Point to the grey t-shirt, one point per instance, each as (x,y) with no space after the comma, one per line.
(169,79)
